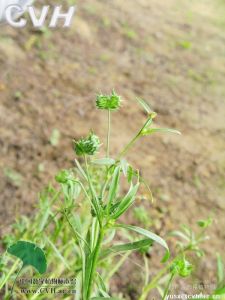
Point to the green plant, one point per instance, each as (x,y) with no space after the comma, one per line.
(106,203)
(179,266)
(78,222)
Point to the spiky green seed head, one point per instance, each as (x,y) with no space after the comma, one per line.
(108,102)
(88,146)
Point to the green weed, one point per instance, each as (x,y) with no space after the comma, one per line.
(78,232)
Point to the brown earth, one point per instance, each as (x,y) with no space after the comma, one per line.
(171,53)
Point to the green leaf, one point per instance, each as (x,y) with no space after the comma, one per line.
(179,234)
(30,254)
(145,105)
(220,269)
(94,233)
(126,202)
(114,186)
(126,247)
(152,236)
(104,161)
(153,130)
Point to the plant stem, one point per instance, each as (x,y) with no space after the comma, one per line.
(168,287)
(146,269)
(94,262)
(108,133)
(131,143)
(107,153)
(128,146)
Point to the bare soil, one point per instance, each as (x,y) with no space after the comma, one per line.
(170,53)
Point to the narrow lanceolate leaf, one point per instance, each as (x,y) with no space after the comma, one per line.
(104,161)
(30,254)
(179,234)
(114,186)
(152,236)
(126,202)
(145,105)
(153,130)
(126,247)
(94,233)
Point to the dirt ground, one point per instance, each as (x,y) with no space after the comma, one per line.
(170,53)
